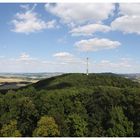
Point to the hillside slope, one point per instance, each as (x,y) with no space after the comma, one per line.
(82,80)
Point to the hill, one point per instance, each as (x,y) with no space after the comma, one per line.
(82,80)
(73,105)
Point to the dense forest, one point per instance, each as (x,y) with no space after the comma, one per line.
(73,105)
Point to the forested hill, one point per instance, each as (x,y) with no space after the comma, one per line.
(73,105)
(82,80)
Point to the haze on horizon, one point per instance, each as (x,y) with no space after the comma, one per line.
(58,37)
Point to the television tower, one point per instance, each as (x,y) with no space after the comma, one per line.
(87,65)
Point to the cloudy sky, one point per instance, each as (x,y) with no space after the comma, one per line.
(58,37)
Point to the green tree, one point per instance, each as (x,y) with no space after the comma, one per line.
(27,116)
(10,130)
(8,107)
(76,126)
(119,124)
(46,127)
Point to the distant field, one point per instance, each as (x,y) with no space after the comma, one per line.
(15,82)
(15,79)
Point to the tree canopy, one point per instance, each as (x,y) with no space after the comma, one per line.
(76,105)
(46,127)
(10,130)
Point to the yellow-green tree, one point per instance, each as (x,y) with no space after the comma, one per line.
(46,127)
(10,130)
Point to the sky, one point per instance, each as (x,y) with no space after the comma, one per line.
(58,37)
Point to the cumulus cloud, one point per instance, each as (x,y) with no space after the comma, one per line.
(89,29)
(29,21)
(129,20)
(63,55)
(127,24)
(96,44)
(129,9)
(72,13)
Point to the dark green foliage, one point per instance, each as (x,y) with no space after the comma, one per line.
(79,80)
(27,115)
(76,126)
(119,126)
(96,105)
(21,108)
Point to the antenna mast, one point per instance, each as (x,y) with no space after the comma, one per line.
(87,65)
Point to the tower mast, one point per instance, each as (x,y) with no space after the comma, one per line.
(87,65)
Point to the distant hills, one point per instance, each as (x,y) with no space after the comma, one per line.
(35,76)
(133,76)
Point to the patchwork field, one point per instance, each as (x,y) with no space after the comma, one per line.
(14,80)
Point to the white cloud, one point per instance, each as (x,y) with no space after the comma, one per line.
(127,24)
(79,13)
(96,44)
(25,57)
(29,21)
(89,29)
(129,20)
(130,9)
(51,24)
(63,55)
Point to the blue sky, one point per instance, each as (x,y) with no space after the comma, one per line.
(58,37)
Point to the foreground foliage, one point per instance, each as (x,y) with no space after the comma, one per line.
(76,105)
(10,130)
(46,126)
